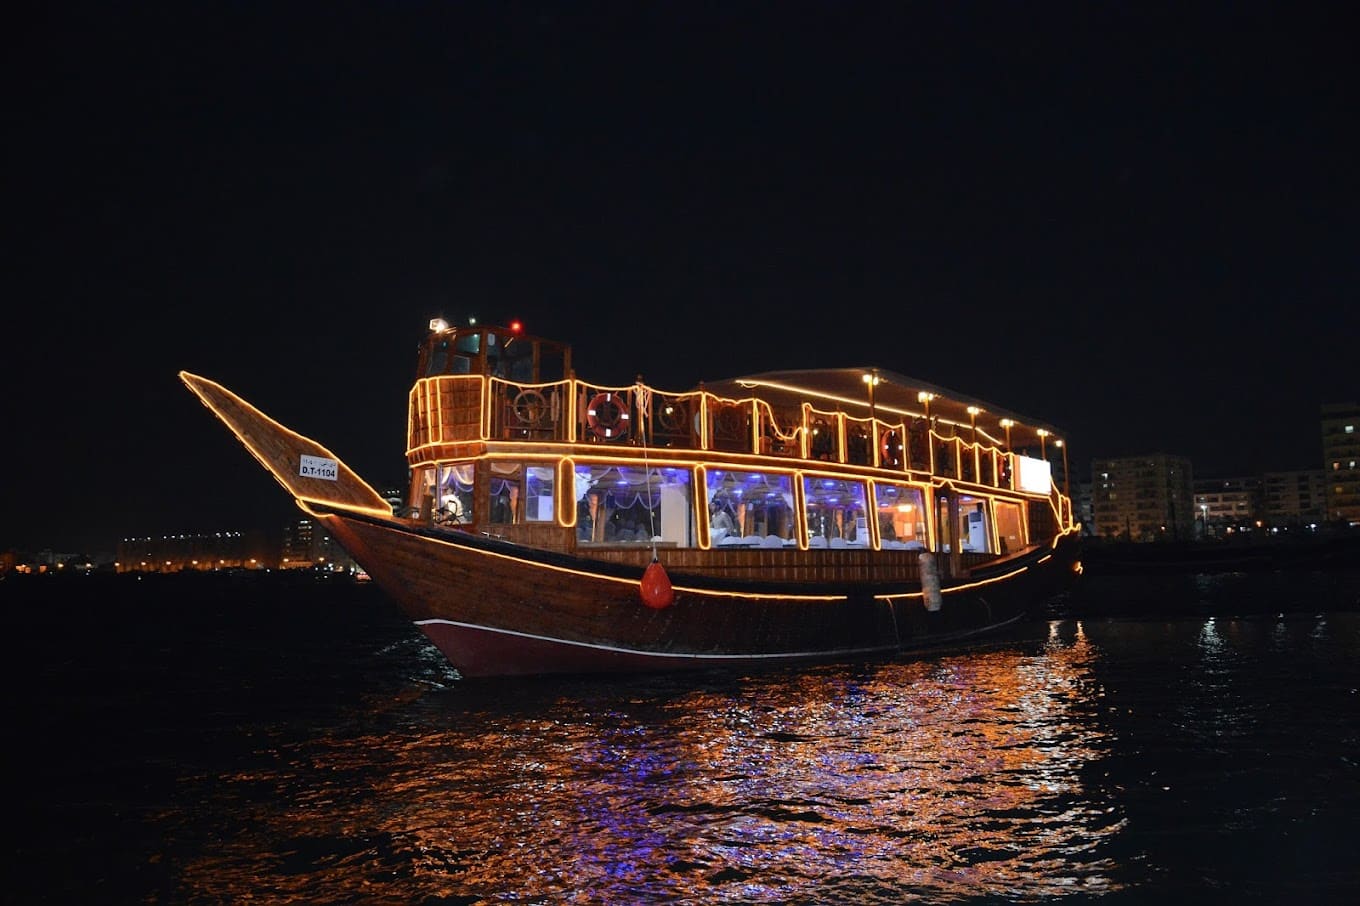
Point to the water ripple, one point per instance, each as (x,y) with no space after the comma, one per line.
(942,778)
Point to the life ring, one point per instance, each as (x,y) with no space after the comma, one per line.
(890,451)
(607,416)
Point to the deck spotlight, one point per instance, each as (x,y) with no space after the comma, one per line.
(973,412)
(924,397)
(1008,424)
(871,380)
(438,325)
(1067,478)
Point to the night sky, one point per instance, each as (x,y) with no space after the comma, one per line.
(1135,221)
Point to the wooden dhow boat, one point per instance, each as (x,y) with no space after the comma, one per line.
(556,526)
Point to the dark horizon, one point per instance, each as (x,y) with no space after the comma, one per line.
(281,199)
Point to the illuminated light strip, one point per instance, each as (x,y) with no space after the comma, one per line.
(805,391)
(633,582)
(959,444)
(1062,534)
(574,387)
(855,401)
(957,588)
(821,394)
(565,383)
(660,654)
(773,425)
(385,513)
(704,522)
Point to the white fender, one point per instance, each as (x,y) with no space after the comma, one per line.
(930,580)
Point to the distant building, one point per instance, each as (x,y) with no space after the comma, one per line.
(395,497)
(1081,500)
(306,546)
(1341,461)
(1294,500)
(1226,506)
(176,553)
(1143,498)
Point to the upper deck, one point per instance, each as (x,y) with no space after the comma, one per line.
(482,387)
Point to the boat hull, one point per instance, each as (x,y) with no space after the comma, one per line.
(496,609)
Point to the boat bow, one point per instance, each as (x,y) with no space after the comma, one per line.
(306,469)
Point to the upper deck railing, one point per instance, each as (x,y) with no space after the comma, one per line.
(450,410)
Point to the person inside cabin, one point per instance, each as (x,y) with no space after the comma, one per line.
(857,445)
(823,446)
(450,509)
(720,521)
(595,515)
(502,512)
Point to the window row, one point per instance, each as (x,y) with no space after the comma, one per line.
(619,504)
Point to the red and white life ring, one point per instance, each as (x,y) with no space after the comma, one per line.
(890,450)
(607,416)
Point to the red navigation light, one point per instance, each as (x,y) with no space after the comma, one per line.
(516,327)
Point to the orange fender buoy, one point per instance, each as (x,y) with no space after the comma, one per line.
(656,587)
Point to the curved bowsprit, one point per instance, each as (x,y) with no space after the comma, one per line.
(306,469)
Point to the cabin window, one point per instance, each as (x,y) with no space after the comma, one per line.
(551,364)
(439,358)
(836,512)
(538,493)
(466,347)
(453,497)
(509,358)
(517,360)
(506,488)
(974,528)
(901,516)
(627,504)
(750,509)
(1009,530)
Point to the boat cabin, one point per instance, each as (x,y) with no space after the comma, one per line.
(503,439)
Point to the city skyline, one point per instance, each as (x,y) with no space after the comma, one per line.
(281,199)
(263,532)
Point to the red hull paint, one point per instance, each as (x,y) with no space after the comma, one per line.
(481,652)
(492,614)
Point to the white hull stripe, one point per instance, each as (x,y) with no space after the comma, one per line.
(705,657)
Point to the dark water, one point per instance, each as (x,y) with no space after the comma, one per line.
(185,741)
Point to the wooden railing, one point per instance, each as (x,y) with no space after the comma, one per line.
(454,409)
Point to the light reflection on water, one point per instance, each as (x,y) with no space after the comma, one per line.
(944,779)
(216,743)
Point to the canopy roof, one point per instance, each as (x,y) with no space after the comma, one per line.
(896,397)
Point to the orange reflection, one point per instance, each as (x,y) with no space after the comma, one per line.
(954,776)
